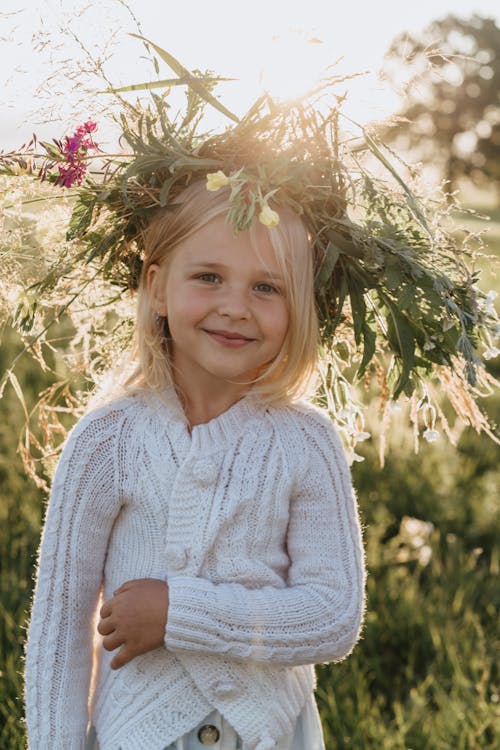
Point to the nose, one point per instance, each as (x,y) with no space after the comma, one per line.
(233,304)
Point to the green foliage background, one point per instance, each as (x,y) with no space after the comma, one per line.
(424,676)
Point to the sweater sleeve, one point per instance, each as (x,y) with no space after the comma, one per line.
(83,505)
(317,616)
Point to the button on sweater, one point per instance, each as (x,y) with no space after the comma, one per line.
(252,521)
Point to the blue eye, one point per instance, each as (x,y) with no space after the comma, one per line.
(210,277)
(268,288)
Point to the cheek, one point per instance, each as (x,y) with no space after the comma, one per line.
(184,308)
(278,325)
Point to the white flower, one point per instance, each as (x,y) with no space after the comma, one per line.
(430,435)
(360,436)
(357,457)
(491,353)
(490,297)
(352,456)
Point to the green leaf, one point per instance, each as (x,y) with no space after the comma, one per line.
(325,270)
(165,83)
(358,307)
(406,297)
(393,275)
(402,341)
(165,190)
(342,350)
(412,201)
(347,245)
(369,341)
(343,289)
(192,81)
(81,218)
(53,151)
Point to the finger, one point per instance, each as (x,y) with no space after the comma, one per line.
(123,657)
(112,641)
(124,587)
(105,626)
(105,610)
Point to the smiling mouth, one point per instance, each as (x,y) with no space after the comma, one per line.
(229,338)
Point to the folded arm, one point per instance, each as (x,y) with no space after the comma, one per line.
(317,616)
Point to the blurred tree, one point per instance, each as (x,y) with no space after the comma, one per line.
(450,78)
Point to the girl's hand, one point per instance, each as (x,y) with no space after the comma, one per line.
(135,619)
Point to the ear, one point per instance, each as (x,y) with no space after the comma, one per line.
(156,285)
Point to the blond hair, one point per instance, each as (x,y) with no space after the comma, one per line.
(291,373)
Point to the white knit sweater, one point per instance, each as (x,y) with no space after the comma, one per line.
(250,519)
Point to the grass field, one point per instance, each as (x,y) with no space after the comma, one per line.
(425,674)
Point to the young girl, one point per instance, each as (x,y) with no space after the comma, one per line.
(207,506)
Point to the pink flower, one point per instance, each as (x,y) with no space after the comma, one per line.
(74,150)
(72,146)
(71,173)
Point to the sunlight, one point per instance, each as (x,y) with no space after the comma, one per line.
(293,62)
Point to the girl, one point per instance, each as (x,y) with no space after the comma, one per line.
(214,503)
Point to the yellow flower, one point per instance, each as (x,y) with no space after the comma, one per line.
(216,180)
(268,217)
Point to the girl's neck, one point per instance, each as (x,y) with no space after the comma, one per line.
(201,404)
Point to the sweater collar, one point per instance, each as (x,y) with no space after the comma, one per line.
(243,416)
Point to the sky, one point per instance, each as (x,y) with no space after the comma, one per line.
(278,45)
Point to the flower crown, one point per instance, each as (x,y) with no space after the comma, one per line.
(395,296)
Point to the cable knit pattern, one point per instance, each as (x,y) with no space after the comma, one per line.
(252,521)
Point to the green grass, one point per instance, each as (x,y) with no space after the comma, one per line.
(21,509)
(425,674)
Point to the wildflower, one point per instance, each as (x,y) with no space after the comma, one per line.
(268,217)
(217,180)
(70,173)
(87,128)
(357,457)
(490,299)
(491,353)
(74,151)
(430,435)
(360,436)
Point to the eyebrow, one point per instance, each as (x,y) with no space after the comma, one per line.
(259,272)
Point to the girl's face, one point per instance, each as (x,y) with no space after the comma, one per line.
(225,304)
